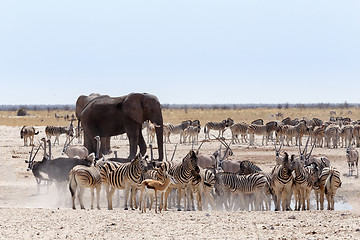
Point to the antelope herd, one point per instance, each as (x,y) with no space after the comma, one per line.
(216,181)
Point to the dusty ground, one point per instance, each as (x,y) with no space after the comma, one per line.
(26,214)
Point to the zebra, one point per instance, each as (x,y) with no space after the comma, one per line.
(230,185)
(220,126)
(302,186)
(357,134)
(296,131)
(203,189)
(85,177)
(183,174)
(238,129)
(318,134)
(28,132)
(150,129)
(176,129)
(193,133)
(352,156)
(264,130)
(281,182)
(314,122)
(248,167)
(346,134)
(258,122)
(329,183)
(122,176)
(57,131)
(332,133)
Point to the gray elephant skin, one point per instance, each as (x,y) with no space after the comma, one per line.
(106,116)
(81,102)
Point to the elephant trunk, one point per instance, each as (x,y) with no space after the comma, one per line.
(160,141)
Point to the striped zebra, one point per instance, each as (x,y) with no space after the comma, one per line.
(219,126)
(357,134)
(263,130)
(329,183)
(28,132)
(302,186)
(183,174)
(85,177)
(176,129)
(248,167)
(346,135)
(122,176)
(281,182)
(193,133)
(203,189)
(280,133)
(239,129)
(231,186)
(352,156)
(258,122)
(318,135)
(297,131)
(332,135)
(57,131)
(150,130)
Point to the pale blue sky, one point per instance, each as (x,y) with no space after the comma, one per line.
(182,51)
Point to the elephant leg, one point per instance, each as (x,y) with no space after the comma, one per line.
(142,144)
(105,146)
(133,142)
(89,143)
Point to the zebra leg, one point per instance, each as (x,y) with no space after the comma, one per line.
(98,190)
(199,200)
(109,197)
(126,197)
(179,198)
(167,192)
(72,187)
(296,200)
(81,193)
(321,200)
(92,198)
(277,197)
(303,197)
(317,199)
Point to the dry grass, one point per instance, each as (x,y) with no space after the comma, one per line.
(175,116)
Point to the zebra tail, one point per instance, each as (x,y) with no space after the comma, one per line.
(328,183)
(205,129)
(72,183)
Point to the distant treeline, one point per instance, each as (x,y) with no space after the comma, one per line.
(71,107)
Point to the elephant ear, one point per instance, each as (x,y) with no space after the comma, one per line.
(132,108)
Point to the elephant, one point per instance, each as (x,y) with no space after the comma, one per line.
(109,116)
(81,102)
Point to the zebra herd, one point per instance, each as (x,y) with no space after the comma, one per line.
(332,134)
(216,185)
(248,189)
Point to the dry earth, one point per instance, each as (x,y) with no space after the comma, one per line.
(27,214)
